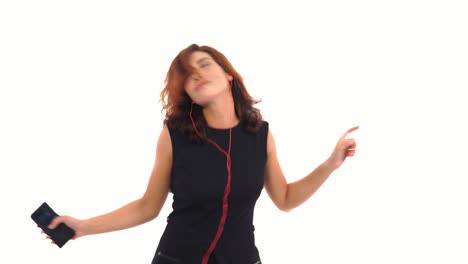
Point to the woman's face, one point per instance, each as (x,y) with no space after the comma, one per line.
(208,79)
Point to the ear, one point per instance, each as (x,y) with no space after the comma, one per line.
(229,76)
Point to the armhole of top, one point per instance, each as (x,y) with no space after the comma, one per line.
(265,130)
(172,135)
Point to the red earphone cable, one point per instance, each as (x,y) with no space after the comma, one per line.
(227,189)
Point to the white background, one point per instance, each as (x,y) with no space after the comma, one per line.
(80,116)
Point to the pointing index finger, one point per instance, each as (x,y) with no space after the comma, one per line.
(349,131)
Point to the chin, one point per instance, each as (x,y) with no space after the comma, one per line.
(206,100)
(201,103)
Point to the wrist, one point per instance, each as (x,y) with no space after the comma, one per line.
(328,165)
(85,227)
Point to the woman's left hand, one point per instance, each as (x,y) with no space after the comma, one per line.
(346,147)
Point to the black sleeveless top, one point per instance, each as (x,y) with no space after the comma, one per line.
(198,179)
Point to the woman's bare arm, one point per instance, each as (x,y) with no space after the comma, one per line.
(139,211)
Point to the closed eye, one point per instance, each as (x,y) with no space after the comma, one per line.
(204,65)
(204,62)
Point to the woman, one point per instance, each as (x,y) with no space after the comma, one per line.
(215,153)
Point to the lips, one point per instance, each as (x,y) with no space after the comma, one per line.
(200,85)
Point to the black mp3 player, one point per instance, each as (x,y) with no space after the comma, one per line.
(43,216)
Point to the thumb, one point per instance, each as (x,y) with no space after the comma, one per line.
(55,222)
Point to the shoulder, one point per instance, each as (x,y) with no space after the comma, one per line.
(264,131)
(270,140)
(260,127)
(164,141)
(264,127)
(175,133)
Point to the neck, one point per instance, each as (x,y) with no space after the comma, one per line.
(220,113)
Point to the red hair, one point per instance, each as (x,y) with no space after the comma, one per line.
(176,103)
